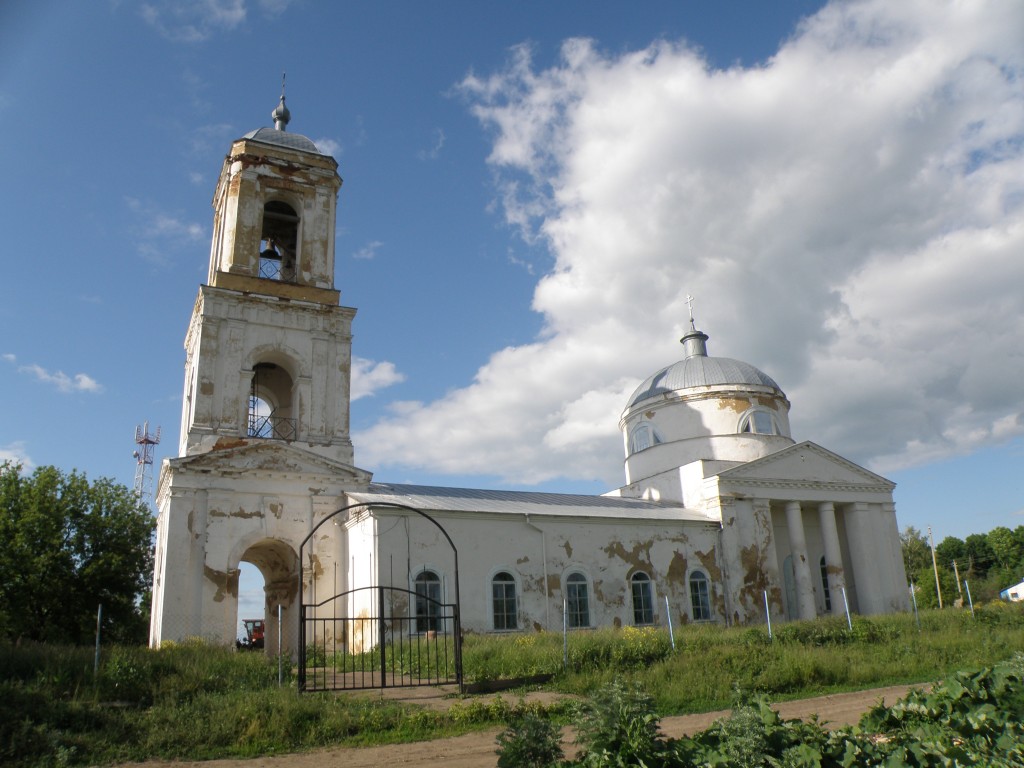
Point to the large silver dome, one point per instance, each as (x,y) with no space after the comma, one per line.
(699,370)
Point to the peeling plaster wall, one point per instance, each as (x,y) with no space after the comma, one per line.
(231,333)
(606,552)
(238,508)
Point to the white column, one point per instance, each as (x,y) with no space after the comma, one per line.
(833,556)
(801,568)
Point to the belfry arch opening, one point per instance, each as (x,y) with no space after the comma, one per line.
(271,414)
(279,240)
(278,565)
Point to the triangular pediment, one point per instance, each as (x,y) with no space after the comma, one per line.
(268,460)
(803,464)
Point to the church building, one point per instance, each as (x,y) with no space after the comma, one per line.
(723,517)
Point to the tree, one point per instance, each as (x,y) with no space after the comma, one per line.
(69,546)
(980,554)
(949,549)
(1008,549)
(917,554)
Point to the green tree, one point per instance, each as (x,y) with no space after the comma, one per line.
(917,554)
(979,554)
(949,549)
(1008,548)
(69,546)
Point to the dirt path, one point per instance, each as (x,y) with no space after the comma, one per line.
(476,750)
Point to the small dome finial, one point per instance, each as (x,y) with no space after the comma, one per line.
(281,115)
(694,341)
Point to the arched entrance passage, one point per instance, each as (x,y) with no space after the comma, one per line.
(377,636)
(279,566)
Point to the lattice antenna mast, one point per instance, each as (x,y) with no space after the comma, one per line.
(143,453)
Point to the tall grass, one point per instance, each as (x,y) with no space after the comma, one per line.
(194,701)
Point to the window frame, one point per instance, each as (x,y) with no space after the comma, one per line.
(428,620)
(700,604)
(642,580)
(748,422)
(577,618)
(512,582)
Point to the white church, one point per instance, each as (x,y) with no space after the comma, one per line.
(723,517)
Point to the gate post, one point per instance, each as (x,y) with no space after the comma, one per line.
(380,636)
(302,644)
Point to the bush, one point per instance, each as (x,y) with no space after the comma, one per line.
(531,741)
(619,727)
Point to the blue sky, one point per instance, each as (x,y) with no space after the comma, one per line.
(531,190)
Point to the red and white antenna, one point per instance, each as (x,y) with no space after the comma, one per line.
(143,454)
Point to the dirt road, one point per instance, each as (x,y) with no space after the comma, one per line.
(476,750)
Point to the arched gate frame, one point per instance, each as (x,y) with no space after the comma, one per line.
(377,636)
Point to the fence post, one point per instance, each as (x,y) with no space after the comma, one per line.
(969,600)
(96,659)
(565,634)
(280,650)
(846,604)
(668,615)
(913,597)
(768,613)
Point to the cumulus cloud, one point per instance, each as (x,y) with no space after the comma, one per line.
(79,382)
(848,215)
(368,377)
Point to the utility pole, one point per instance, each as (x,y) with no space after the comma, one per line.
(957,574)
(935,566)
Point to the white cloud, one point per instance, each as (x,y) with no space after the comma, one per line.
(329,147)
(157,231)
(193,21)
(435,149)
(368,377)
(368,251)
(848,215)
(79,382)
(15,453)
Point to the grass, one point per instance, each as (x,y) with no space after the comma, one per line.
(194,701)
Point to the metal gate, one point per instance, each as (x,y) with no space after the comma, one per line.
(378,637)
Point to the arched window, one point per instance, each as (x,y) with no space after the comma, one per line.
(642,437)
(824,586)
(428,601)
(260,413)
(700,596)
(279,242)
(270,403)
(577,600)
(643,599)
(759,422)
(503,597)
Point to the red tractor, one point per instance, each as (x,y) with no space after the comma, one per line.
(253,639)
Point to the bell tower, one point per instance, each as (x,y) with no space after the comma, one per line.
(268,349)
(265,450)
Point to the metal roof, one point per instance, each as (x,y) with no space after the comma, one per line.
(282,139)
(701,371)
(428,497)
